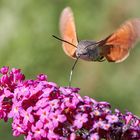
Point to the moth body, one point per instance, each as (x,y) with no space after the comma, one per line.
(88,50)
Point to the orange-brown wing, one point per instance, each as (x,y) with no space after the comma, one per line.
(68,31)
(116,47)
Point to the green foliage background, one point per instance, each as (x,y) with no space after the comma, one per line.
(26,29)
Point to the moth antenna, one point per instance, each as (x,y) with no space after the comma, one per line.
(93,44)
(64,41)
(71,72)
(77,38)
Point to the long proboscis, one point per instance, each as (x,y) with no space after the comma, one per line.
(71,72)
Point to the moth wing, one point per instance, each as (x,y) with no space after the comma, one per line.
(116,47)
(68,32)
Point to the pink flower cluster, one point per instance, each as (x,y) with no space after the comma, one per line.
(41,110)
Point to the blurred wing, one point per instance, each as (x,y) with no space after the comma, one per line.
(116,47)
(68,32)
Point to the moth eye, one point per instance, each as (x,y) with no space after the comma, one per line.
(84,54)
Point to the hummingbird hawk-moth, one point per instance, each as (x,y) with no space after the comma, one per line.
(113,48)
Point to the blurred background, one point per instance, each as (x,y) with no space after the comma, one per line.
(26,42)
